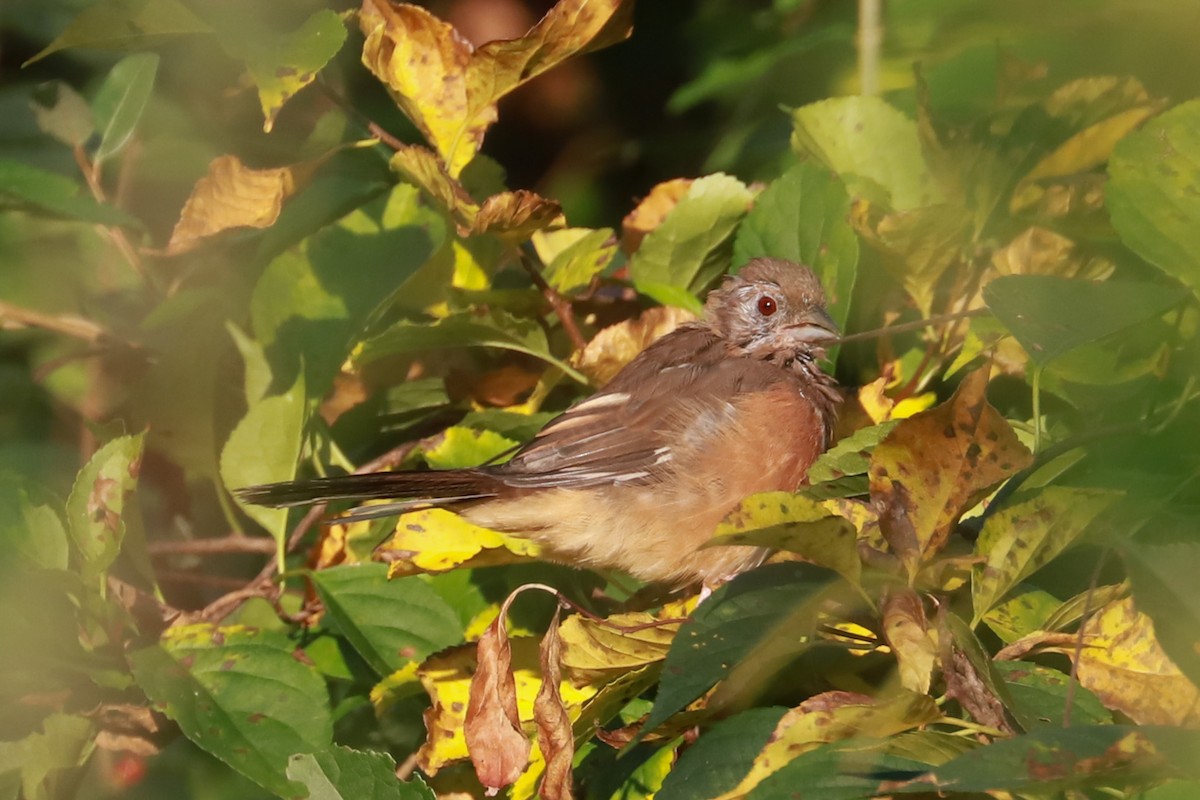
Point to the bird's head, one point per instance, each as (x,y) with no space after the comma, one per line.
(772,307)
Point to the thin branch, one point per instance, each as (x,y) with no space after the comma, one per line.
(76,327)
(870,42)
(905,327)
(91,174)
(199,579)
(374,128)
(561,305)
(206,547)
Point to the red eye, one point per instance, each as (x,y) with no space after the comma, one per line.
(767,305)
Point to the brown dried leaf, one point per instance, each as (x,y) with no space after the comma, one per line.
(650,213)
(231,195)
(907,633)
(514,216)
(1123,664)
(968,673)
(555,737)
(499,749)
(615,346)
(937,464)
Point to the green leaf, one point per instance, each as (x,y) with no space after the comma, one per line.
(1164,588)
(870,145)
(1021,614)
(389,623)
(50,193)
(96,508)
(574,265)
(121,100)
(1152,195)
(31,530)
(176,399)
(1021,538)
(340,773)
(1040,697)
(467,447)
(722,756)
(311,304)
(125,24)
(1052,759)
(282,64)
(688,250)
(467,330)
(1050,316)
(239,694)
(753,608)
(264,448)
(804,217)
(798,524)
(850,456)
(44,760)
(841,771)
(62,113)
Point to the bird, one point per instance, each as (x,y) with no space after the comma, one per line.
(638,476)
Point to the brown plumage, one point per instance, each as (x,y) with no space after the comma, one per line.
(638,476)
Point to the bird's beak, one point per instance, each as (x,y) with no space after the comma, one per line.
(815,327)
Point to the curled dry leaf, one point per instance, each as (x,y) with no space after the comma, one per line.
(936,464)
(968,673)
(514,216)
(907,633)
(231,195)
(499,748)
(650,213)
(617,345)
(555,737)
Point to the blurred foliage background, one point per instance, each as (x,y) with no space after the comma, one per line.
(109,327)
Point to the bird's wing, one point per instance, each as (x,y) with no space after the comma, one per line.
(680,386)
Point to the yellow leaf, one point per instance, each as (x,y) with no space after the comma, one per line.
(1085,150)
(908,635)
(437,540)
(231,195)
(798,524)
(1123,664)
(935,465)
(423,61)
(831,717)
(448,89)
(595,652)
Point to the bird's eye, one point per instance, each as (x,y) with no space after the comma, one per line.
(767,305)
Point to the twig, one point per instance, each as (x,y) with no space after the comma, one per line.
(870,41)
(115,234)
(561,305)
(1069,701)
(199,578)
(225,605)
(75,327)
(205,547)
(374,128)
(905,327)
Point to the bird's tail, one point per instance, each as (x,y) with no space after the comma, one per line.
(410,490)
